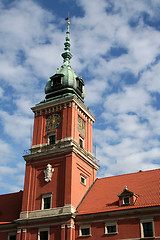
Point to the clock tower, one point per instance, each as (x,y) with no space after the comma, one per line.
(60,167)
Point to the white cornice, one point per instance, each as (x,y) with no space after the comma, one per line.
(47,213)
(62,147)
(48,107)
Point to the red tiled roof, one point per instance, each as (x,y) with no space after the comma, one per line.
(102,197)
(10,207)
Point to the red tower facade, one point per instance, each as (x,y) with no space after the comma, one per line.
(62,140)
(60,168)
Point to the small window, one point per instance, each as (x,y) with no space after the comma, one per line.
(81,142)
(126,200)
(56,81)
(83,180)
(80,85)
(46,201)
(110,228)
(147,229)
(84,231)
(52,139)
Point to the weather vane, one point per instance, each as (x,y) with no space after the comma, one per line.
(67,19)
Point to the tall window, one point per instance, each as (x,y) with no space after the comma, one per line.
(147,229)
(46,201)
(52,139)
(43,234)
(12,237)
(83,180)
(81,143)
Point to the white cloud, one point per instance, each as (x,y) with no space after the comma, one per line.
(1,92)
(5,151)
(150,79)
(127,128)
(131,99)
(4,170)
(16,126)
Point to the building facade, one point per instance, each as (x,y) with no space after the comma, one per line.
(62,197)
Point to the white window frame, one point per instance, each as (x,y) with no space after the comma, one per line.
(123,202)
(84,178)
(82,141)
(142,229)
(43,230)
(107,224)
(46,195)
(84,227)
(49,135)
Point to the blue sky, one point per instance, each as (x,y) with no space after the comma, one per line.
(116,49)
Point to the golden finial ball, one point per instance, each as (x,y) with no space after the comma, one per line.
(68,23)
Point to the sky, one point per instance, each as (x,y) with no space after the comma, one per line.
(116,49)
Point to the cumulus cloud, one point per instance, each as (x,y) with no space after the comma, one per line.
(16,126)
(5,151)
(115,46)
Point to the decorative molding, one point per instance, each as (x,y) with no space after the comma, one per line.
(48,173)
(48,213)
(72,99)
(71,226)
(63,146)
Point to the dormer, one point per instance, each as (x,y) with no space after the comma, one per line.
(80,84)
(126,197)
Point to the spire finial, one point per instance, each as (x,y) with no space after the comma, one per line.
(67,54)
(67,18)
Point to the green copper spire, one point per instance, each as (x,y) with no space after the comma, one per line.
(67,54)
(64,82)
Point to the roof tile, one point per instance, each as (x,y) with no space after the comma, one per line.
(102,197)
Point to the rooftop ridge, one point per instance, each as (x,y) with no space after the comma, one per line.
(139,172)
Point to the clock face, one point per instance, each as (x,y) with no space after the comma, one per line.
(81,126)
(53,121)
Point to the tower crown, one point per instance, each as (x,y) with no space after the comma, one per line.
(65,82)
